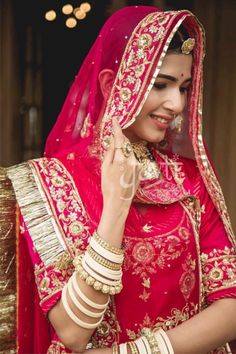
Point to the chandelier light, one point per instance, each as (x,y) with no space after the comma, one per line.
(50,15)
(73,13)
(71,22)
(67,9)
(85,6)
(79,14)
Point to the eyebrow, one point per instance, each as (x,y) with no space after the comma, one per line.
(171,78)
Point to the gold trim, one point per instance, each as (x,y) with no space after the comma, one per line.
(196,226)
(8,265)
(36,212)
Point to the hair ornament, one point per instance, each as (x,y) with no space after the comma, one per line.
(188,45)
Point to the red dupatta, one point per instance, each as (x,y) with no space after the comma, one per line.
(133,43)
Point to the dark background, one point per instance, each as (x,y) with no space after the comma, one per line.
(63,49)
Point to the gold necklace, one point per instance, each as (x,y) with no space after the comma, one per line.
(150,168)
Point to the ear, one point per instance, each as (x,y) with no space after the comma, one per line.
(106,78)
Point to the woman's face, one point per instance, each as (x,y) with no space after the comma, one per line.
(166,100)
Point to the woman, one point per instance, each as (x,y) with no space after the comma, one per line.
(122,189)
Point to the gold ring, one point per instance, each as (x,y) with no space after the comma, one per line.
(126,148)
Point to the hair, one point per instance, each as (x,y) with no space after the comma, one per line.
(179,37)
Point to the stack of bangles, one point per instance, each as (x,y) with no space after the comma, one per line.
(149,343)
(100,267)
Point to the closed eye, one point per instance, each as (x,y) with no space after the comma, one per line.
(159,86)
(184,89)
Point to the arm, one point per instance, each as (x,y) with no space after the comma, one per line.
(71,335)
(204,332)
(116,203)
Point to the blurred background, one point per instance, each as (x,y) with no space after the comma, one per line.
(43,43)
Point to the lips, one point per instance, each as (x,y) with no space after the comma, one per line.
(161,121)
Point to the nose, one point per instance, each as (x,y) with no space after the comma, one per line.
(174,101)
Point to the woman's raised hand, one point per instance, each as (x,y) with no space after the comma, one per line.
(120,171)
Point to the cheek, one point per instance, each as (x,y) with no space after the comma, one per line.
(153,100)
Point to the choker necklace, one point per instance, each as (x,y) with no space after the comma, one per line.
(143,154)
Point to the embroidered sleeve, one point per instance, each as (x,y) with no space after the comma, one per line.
(49,279)
(53,222)
(218,255)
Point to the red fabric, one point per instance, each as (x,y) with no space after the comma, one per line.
(162,268)
(161,251)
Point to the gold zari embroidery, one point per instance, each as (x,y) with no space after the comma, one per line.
(219,269)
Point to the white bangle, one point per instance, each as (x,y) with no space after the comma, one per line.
(79,305)
(97,276)
(140,345)
(123,348)
(113,274)
(146,345)
(85,298)
(115,258)
(73,317)
(161,343)
(163,337)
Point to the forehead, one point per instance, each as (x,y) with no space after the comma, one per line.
(177,65)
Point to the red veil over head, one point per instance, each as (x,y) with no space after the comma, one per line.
(133,43)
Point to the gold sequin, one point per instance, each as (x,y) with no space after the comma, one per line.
(76,228)
(125,94)
(144,41)
(58,181)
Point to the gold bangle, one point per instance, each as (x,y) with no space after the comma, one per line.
(115,349)
(133,348)
(103,261)
(107,245)
(91,281)
(151,340)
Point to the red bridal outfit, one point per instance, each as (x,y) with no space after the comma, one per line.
(179,245)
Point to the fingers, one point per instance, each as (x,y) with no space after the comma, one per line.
(119,140)
(118,135)
(109,154)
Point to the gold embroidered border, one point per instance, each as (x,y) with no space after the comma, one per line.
(123,96)
(194,217)
(36,213)
(219,270)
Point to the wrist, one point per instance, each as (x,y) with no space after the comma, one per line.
(115,209)
(111,226)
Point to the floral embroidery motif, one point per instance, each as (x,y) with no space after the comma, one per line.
(65,204)
(50,280)
(187,280)
(175,318)
(57,348)
(219,269)
(144,41)
(148,254)
(107,331)
(66,201)
(143,252)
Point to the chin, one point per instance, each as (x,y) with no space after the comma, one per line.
(154,138)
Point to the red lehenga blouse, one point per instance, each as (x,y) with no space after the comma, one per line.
(179,246)
(178,258)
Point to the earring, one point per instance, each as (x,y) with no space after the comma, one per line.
(177,124)
(85,130)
